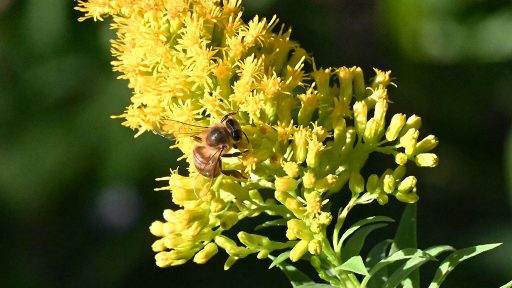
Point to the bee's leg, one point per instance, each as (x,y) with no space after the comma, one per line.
(234,173)
(197,138)
(235,154)
(225,117)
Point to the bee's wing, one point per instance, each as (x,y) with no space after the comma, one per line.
(213,162)
(173,129)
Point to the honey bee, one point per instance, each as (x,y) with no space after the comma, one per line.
(213,143)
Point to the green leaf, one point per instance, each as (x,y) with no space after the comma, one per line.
(277,260)
(405,237)
(293,274)
(397,256)
(361,223)
(272,223)
(436,250)
(400,275)
(315,285)
(358,233)
(354,264)
(455,258)
(355,243)
(508,285)
(378,252)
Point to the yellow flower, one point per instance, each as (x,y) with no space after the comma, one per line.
(306,134)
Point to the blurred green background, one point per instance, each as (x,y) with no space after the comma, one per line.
(76,190)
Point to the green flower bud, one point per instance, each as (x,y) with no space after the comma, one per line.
(407,197)
(399,172)
(359,85)
(401,159)
(295,206)
(394,128)
(427,144)
(360,116)
(372,183)
(315,247)
(407,184)
(255,196)
(263,254)
(427,160)
(228,220)
(389,183)
(299,250)
(382,199)
(206,253)
(356,183)
(229,262)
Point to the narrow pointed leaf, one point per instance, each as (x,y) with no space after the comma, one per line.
(406,237)
(355,243)
(272,223)
(361,223)
(280,258)
(454,259)
(508,285)
(397,256)
(400,275)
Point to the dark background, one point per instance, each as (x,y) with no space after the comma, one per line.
(76,190)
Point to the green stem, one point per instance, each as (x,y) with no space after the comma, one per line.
(339,223)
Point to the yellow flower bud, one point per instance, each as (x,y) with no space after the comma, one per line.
(299,250)
(413,122)
(315,247)
(158,245)
(206,253)
(326,183)
(427,144)
(359,85)
(291,169)
(360,116)
(401,159)
(285,183)
(313,153)
(427,160)
(389,183)
(409,140)
(394,128)
(407,184)
(300,145)
(263,254)
(399,172)
(156,228)
(308,180)
(373,130)
(297,229)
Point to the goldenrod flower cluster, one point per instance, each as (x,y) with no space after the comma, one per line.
(309,132)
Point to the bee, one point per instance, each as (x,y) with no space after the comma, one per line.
(213,143)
